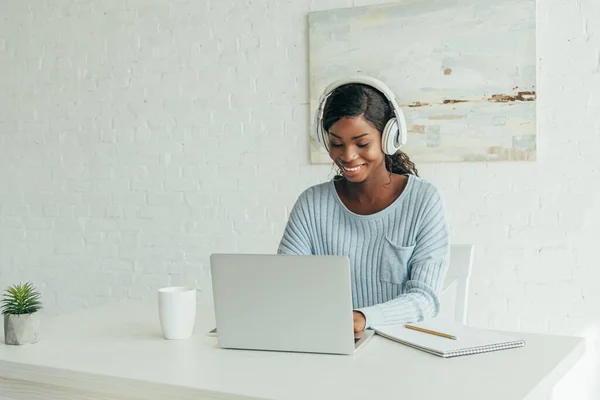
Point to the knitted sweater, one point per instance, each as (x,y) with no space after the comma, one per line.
(398,256)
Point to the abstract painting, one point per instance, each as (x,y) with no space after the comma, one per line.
(463,71)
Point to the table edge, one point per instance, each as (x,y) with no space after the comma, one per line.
(115,387)
(547,384)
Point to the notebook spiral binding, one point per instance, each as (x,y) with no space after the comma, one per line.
(485,349)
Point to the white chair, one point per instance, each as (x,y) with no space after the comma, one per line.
(459,272)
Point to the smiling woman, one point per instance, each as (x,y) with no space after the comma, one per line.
(360,113)
(377,211)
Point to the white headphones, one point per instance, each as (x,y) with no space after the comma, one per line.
(394,134)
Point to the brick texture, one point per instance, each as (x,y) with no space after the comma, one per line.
(139,136)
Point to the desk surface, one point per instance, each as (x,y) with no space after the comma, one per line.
(118,351)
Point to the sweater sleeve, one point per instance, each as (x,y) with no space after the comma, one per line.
(427,272)
(296,239)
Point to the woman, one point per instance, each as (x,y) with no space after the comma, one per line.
(377,211)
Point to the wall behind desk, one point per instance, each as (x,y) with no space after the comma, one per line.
(137,137)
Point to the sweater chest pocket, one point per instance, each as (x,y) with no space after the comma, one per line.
(394,262)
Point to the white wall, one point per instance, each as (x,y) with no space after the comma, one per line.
(139,136)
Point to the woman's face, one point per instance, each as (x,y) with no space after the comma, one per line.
(355,146)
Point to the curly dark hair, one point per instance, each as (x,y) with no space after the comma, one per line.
(355,99)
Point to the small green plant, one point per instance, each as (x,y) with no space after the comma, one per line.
(21,299)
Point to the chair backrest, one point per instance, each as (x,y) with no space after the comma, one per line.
(459,271)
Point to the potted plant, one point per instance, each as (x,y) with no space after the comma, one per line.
(20,305)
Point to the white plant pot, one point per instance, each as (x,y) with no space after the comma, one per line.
(21,329)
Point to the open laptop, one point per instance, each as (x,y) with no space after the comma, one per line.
(284,303)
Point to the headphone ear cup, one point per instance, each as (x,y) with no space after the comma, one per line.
(318,129)
(323,137)
(390,140)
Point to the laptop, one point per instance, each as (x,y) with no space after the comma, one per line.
(292,303)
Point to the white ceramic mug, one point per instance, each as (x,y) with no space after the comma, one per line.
(177,311)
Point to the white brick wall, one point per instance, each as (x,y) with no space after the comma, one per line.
(139,136)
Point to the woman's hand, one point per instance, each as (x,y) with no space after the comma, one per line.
(359,321)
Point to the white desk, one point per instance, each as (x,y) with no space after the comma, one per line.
(117,352)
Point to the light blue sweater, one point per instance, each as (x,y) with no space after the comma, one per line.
(398,256)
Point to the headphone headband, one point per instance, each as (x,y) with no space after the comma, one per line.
(395,133)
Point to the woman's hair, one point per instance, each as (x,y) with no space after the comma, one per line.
(356,99)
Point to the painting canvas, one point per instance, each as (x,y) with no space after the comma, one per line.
(463,71)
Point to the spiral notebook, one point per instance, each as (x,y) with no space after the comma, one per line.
(468,340)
